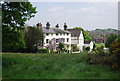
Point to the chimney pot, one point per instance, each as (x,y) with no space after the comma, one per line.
(47,25)
(57,26)
(39,25)
(65,26)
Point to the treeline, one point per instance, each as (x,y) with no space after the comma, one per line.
(103,32)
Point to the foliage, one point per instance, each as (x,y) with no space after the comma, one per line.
(85,33)
(110,58)
(61,46)
(109,29)
(110,39)
(33,38)
(55,51)
(87,48)
(53,66)
(74,48)
(14,16)
(99,50)
(115,53)
(43,50)
(13,41)
(94,46)
(99,59)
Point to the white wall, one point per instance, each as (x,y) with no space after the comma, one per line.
(81,41)
(65,36)
(74,40)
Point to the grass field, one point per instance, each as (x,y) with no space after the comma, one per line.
(53,66)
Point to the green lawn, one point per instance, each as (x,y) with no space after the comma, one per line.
(53,66)
(99,45)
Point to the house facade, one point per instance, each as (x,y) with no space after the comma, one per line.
(54,35)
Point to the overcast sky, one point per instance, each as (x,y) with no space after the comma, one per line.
(88,15)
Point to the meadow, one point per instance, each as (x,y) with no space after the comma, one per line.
(53,66)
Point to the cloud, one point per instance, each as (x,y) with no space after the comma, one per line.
(56,9)
(89,9)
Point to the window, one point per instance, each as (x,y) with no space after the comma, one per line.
(67,39)
(60,33)
(51,33)
(67,33)
(47,33)
(57,40)
(47,40)
(56,33)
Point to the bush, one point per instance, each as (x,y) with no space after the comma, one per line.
(43,51)
(115,53)
(55,51)
(100,50)
(87,48)
(74,48)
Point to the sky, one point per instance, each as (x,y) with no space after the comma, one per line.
(89,15)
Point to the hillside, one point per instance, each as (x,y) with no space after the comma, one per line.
(100,35)
(103,31)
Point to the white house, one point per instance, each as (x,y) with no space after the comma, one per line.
(54,35)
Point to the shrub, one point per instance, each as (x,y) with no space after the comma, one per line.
(87,48)
(115,53)
(55,51)
(43,50)
(74,48)
(100,50)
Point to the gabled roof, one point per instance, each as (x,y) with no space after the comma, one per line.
(54,30)
(75,32)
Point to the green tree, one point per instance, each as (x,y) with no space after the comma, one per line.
(110,39)
(33,38)
(74,48)
(115,53)
(85,33)
(61,46)
(14,16)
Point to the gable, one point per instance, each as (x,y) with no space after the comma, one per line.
(75,32)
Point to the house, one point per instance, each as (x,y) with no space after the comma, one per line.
(54,35)
(77,38)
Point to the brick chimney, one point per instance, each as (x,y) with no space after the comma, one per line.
(65,26)
(39,25)
(47,25)
(57,26)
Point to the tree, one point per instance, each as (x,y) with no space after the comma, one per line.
(115,53)
(14,16)
(85,33)
(61,46)
(33,39)
(110,39)
(74,48)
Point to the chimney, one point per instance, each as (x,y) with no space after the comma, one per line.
(65,26)
(47,25)
(39,25)
(57,26)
